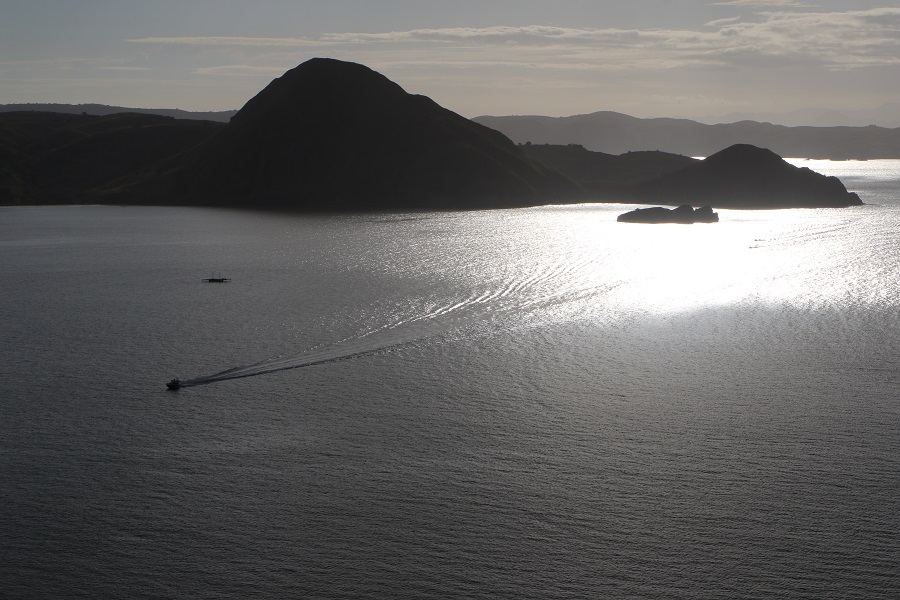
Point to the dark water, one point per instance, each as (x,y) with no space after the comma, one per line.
(539,403)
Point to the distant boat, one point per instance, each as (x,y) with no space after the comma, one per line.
(174,384)
(219,279)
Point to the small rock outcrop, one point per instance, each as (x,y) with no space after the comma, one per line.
(684,214)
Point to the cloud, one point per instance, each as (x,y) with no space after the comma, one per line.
(772,39)
(124,68)
(764,3)
(240,71)
(720,22)
(227,41)
(58,62)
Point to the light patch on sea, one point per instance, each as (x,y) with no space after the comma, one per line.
(518,404)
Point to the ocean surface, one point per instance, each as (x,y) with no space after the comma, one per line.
(536,403)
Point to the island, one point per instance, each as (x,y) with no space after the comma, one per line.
(684,214)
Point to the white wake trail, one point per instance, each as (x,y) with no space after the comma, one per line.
(567,282)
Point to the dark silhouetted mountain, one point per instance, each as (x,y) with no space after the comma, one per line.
(616,133)
(333,135)
(745,176)
(48,158)
(100,110)
(741,176)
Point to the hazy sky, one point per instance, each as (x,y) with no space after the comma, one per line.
(561,57)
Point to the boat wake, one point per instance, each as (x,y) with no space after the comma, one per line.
(520,302)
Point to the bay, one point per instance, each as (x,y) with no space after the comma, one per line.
(526,403)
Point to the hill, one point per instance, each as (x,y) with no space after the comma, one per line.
(601,174)
(616,133)
(50,158)
(333,135)
(886,115)
(744,176)
(741,176)
(101,110)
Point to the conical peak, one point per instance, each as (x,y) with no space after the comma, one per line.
(335,134)
(325,82)
(744,153)
(331,69)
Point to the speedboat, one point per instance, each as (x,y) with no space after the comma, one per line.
(174,384)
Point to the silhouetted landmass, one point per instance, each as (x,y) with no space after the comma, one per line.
(886,115)
(52,158)
(333,135)
(684,214)
(616,133)
(741,176)
(603,174)
(100,110)
(745,176)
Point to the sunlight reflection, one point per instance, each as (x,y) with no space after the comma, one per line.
(561,263)
(666,268)
(800,257)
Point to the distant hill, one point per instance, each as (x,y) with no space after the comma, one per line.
(616,133)
(334,135)
(887,115)
(221,116)
(741,176)
(604,175)
(49,158)
(744,176)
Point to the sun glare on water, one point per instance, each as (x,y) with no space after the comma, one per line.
(668,268)
(799,257)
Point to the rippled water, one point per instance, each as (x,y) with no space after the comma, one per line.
(530,403)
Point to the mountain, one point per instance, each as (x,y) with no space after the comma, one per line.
(886,115)
(616,133)
(745,176)
(101,110)
(333,135)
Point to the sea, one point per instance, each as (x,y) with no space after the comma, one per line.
(508,404)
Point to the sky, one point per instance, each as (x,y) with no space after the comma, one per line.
(647,58)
